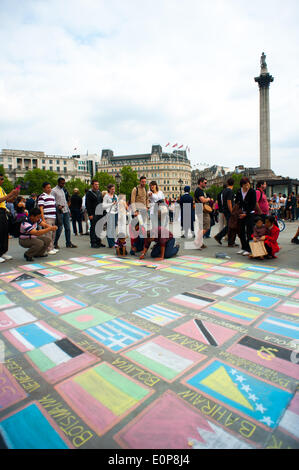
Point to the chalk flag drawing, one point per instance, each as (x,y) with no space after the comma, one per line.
(32,336)
(284,280)
(158,314)
(159,427)
(259,300)
(216,289)
(11,391)
(35,289)
(288,272)
(164,358)
(271,289)
(191,300)
(280,327)
(62,304)
(179,270)
(289,307)
(62,277)
(86,318)
(14,317)
(5,302)
(32,428)
(59,359)
(206,332)
(117,334)
(290,419)
(102,395)
(266,354)
(233,311)
(238,390)
(232,281)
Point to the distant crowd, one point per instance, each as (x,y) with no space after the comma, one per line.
(248,214)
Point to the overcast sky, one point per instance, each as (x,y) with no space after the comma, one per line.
(126,74)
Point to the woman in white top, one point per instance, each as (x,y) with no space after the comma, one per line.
(154,195)
(110,205)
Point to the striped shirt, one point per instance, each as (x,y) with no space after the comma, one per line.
(48,203)
(26,227)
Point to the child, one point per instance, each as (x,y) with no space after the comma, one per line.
(259,230)
(137,236)
(270,239)
(120,245)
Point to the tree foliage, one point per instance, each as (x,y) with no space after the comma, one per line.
(129,179)
(34,179)
(104,179)
(76,183)
(7,185)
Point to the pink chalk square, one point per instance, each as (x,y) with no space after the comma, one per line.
(10,277)
(171,423)
(7,273)
(206,332)
(296,295)
(62,304)
(81,259)
(90,272)
(10,391)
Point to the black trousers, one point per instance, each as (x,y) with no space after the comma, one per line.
(3,232)
(246,231)
(94,239)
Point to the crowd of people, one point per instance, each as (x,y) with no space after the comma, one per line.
(39,220)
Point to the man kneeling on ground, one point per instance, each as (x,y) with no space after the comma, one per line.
(165,244)
(33,238)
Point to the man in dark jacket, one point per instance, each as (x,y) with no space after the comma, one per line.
(93,199)
(246,200)
(187,212)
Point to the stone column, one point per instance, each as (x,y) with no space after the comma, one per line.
(264,81)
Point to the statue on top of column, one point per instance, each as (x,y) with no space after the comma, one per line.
(263,61)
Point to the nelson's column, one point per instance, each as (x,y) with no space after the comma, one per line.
(264,81)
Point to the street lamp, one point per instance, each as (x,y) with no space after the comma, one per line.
(180,183)
(118,180)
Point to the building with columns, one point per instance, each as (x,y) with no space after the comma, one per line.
(171,171)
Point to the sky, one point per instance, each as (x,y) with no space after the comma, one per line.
(127,74)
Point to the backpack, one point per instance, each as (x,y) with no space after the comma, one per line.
(15,226)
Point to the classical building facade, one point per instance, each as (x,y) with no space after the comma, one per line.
(171,171)
(17,162)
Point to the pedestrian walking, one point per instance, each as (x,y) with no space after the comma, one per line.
(61,199)
(76,211)
(92,201)
(246,200)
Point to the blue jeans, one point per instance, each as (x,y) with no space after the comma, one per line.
(67,229)
(170,249)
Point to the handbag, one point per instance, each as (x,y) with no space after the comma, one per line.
(207,209)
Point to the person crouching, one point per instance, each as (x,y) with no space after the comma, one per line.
(33,238)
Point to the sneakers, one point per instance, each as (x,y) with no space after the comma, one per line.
(240,252)
(245,253)
(2,260)
(6,257)
(52,252)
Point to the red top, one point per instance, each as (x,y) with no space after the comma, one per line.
(271,239)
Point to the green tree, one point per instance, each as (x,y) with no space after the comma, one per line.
(129,179)
(104,179)
(237,178)
(7,185)
(76,183)
(213,191)
(34,179)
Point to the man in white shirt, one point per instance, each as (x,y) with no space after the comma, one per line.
(60,197)
(47,205)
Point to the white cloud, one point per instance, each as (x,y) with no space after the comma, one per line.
(127,74)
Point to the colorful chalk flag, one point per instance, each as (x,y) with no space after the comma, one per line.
(280,327)
(191,300)
(290,419)
(117,334)
(5,302)
(256,299)
(288,272)
(32,336)
(216,289)
(12,317)
(242,392)
(289,307)
(158,314)
(31,428)
(179,270)
(284,280)
(11,391)
(266,354)
(86,318)
(163,357)
(62,304)
(262,269)
(205,332)
(103,395)
(271,289)
(234,312)
(59,359)
(232,281)
(159,427)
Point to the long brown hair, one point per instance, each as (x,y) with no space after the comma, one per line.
(154,183)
